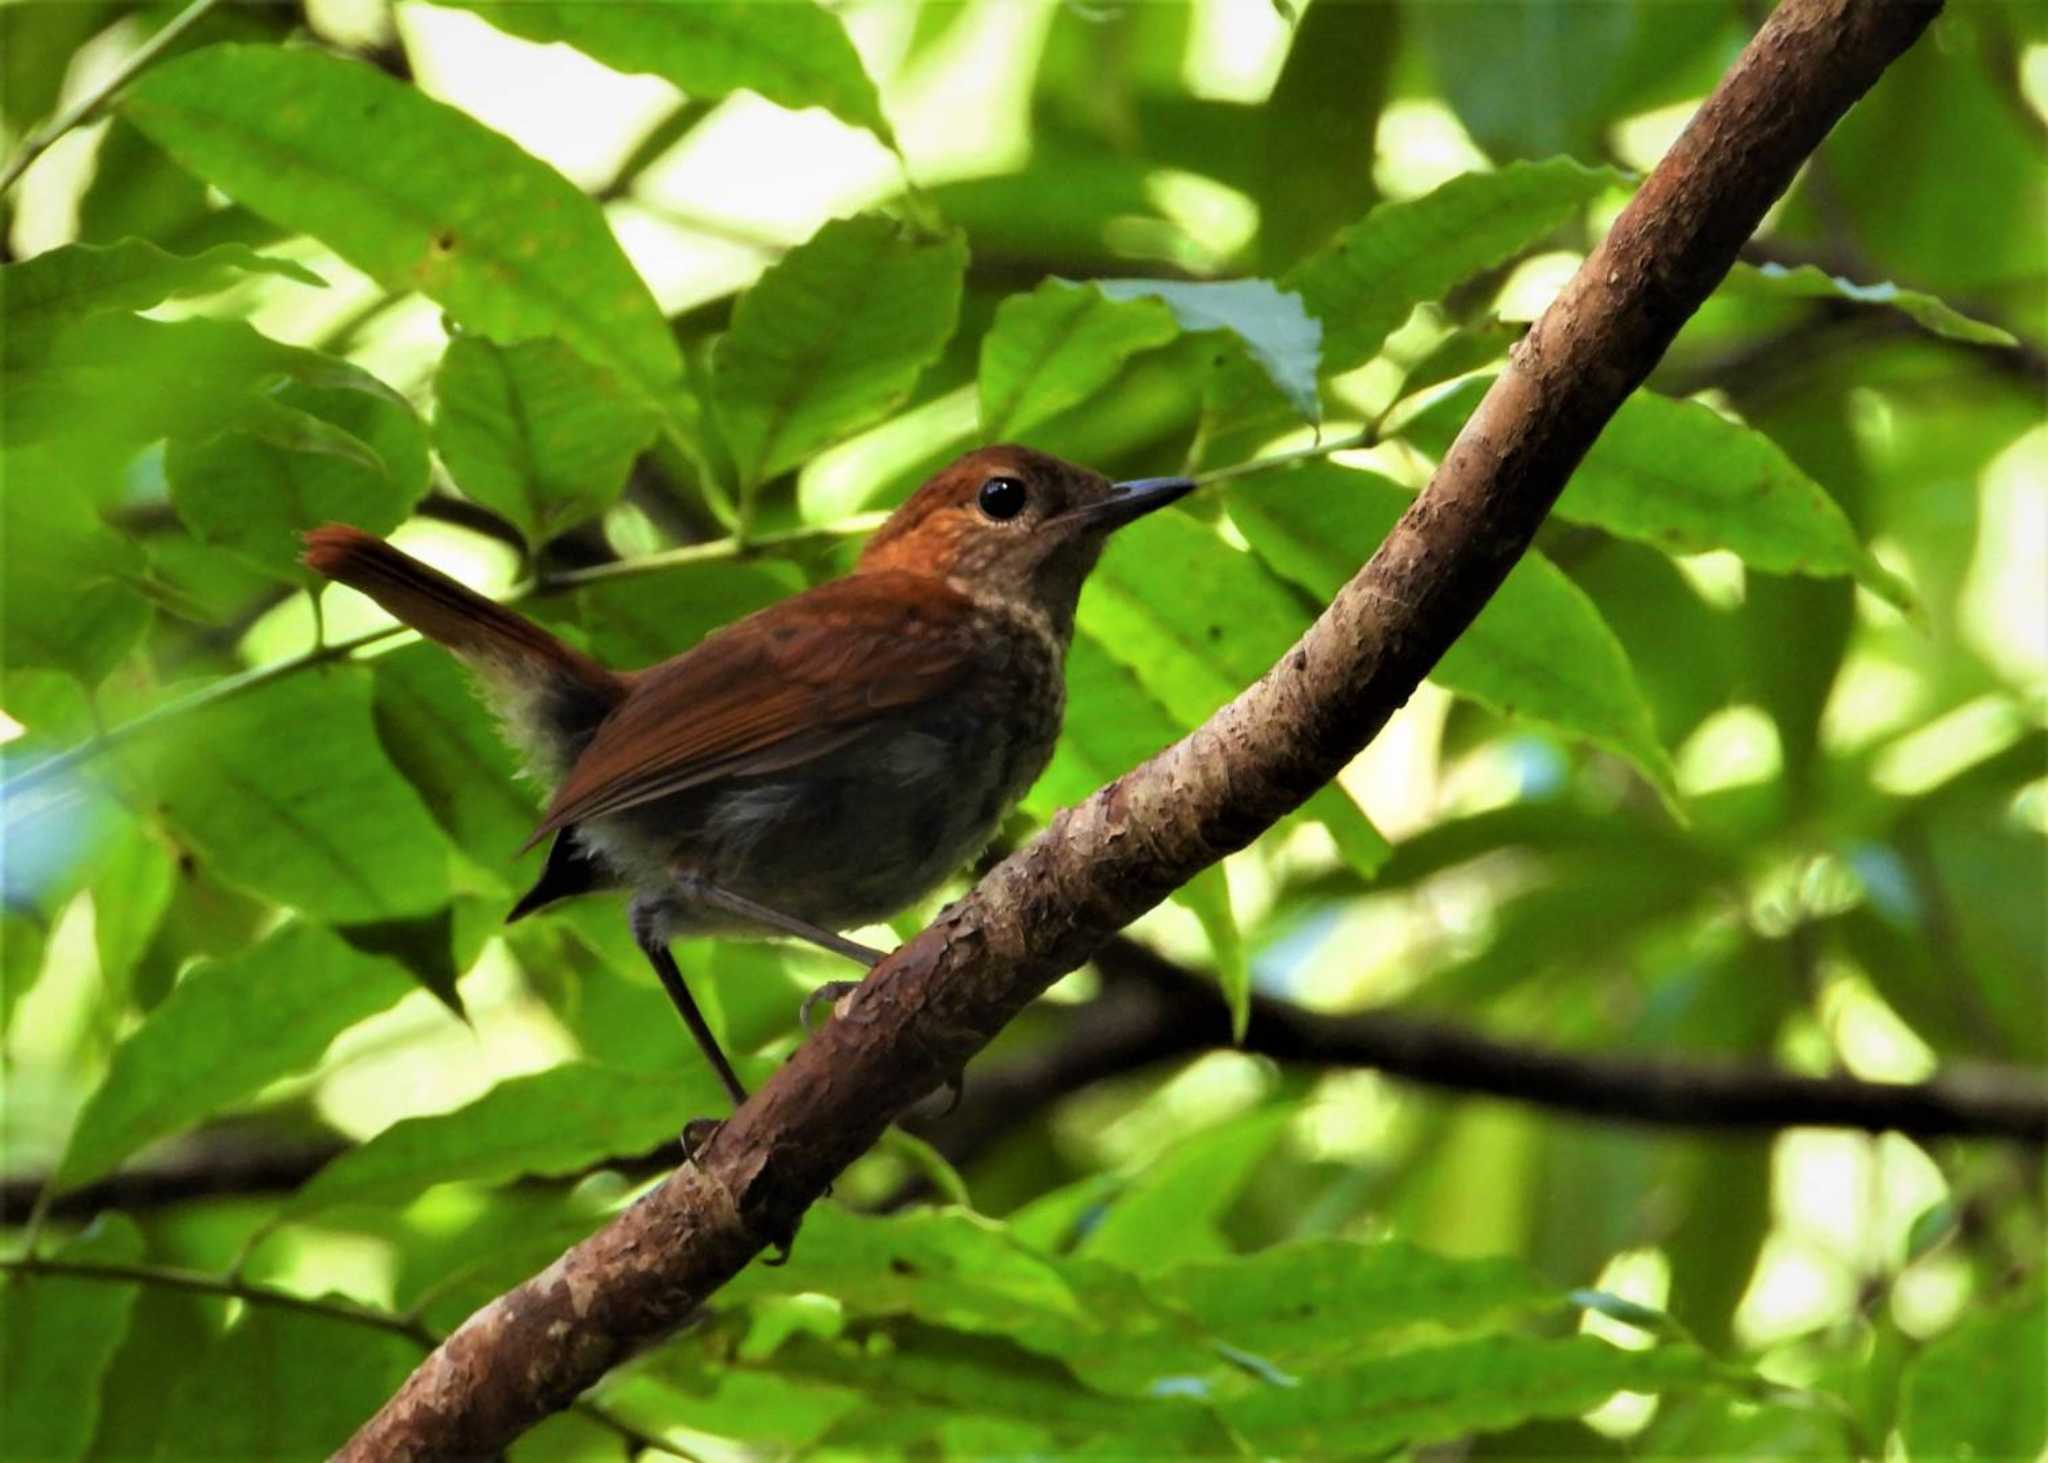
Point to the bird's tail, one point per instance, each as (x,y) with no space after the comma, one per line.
(490,637)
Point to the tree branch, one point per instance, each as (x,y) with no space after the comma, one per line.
(923,1012)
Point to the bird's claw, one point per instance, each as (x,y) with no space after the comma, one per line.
(956,1087)
(829,992)
(697,1136)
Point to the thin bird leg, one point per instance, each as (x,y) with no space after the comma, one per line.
(697,888)
(672,981)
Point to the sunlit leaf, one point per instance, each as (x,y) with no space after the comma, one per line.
(317,821)
(1807,282)
(1207,896)
(57,1335)
(1279,333)
(1539,649)
(443,739)
(412,192)
(1683,477)
(227,1030)
(832,338)
(534,432)
(1305,1306)
(347,449)
(1979,1390)
(70,590)
(1054,348)
(1445,1392)
(134,274)
(282,1384)
(1170,1213)
(1400,254)
(553,1122)
(794,54)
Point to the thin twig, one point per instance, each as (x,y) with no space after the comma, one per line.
(40,141)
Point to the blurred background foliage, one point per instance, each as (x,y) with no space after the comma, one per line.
(1749,765)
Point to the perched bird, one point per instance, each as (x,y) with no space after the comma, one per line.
(820,764)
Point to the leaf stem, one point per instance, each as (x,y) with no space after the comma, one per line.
(39,142)
(1363,437)
(346,1312)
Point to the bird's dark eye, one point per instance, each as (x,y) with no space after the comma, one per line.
(1003,498)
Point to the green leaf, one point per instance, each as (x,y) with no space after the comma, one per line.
(1196,621)
(1445,1392)
(284,791)
(412,192)
(642,620)
(1683,477)
(1533,77)
(832,339)
(794,54)
(130,894)
(282,1384)
(441,737)
(348,449)
(225,1031)
(1170,1213)
(1054,348)
(1401,254)
(534,432)
(553,1122)
(70,587)
(1309,1306)
(134,274)
(1977,1392)
(1539,649)
(1807,282)
(1277,330)
(57,1336)
(1207,896)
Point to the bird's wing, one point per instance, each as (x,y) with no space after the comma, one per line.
(793,682)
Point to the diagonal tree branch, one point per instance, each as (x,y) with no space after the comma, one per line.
(922,1013)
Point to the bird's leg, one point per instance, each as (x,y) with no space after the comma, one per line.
(696,888)
(647,934)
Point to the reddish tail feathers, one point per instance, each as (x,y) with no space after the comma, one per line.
(443,610)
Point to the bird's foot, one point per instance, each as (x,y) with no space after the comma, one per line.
(956,1087)
(829,993)
(697,1136)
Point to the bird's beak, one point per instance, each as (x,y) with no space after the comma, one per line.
(1134,500)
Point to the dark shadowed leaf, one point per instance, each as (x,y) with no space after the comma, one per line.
(831,338)
(227,1030)
(534,432)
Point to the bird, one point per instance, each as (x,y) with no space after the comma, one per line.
(818,765)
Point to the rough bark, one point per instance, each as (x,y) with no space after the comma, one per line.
(925,1011)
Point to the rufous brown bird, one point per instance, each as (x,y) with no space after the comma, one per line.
(818,765)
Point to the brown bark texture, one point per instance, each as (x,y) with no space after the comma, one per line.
(922,1013)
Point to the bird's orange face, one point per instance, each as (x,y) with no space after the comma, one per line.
(1009,521)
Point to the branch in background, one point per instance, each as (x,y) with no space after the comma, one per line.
(1154,1011)
(929,1007)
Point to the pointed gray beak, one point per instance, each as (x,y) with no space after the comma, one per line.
(1134,500)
